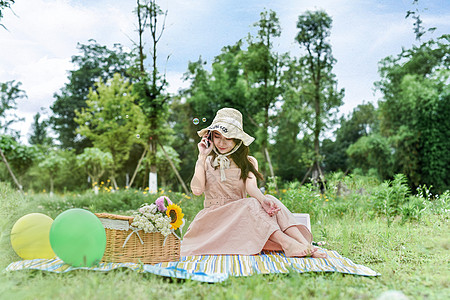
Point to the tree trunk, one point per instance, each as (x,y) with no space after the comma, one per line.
(114,182)
(10,171)
(271,169)
(153,182)
(186,191)
(51,187)
(137,168)
(306,175)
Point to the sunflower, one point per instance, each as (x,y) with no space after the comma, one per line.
(176,216)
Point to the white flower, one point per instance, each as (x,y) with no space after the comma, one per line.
(150,219)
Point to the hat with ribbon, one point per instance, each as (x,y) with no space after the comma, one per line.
(228,122)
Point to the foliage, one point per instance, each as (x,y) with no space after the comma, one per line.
(414,112)
(362,121)
(224,86)
(398,252)
(111,120)
(20,157)
(68,177)
(94,62)
(290,154)
(39,134)
(184,135)
(262,68)
(372,151)
(95,162)
(287,102)
(51,165)
(389,197)
(150,85)
(318,83)
(165,172)
(10,92)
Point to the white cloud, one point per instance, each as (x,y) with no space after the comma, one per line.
(41,40)
(43,36)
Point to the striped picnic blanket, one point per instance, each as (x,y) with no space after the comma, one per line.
(216,268)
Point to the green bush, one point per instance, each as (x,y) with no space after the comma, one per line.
(302,199)
(390,196)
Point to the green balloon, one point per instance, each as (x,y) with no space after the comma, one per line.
(78,238)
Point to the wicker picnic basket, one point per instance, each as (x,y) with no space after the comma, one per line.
(123,244)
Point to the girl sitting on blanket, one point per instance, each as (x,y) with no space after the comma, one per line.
(231,222)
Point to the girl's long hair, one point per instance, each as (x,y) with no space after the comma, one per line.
(240,157)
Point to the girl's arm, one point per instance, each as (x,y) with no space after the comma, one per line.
(199,179)
(251,186)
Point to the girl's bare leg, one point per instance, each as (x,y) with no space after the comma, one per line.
(295,233)
(290,246)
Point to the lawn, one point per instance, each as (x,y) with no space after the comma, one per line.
(409,249)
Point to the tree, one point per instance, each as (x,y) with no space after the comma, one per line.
(245,78)
(10,92)
(69,176)
(224,86)
(414,111)
(95,63)
(39,134)
(262,70)
(51,165)
(149,87)
(18,158)
(112,120)
(95,162)
(372,152)
(362,121)
(318,85)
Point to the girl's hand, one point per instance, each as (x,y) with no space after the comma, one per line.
(270,206)
(203,149)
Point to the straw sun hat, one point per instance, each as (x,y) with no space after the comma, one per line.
(228,122)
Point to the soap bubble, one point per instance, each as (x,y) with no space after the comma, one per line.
(204,120)
(195,121)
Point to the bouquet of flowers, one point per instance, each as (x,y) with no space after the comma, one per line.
(162,216)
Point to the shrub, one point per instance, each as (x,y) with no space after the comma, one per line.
(389,197)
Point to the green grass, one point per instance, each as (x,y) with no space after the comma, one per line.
(412,256)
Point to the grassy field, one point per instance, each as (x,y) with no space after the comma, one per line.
(409,248)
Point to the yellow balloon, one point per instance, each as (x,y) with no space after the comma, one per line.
(30,236)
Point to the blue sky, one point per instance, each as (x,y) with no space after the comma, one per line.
(43,34)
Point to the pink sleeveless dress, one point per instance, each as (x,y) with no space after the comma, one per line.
(231,222)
